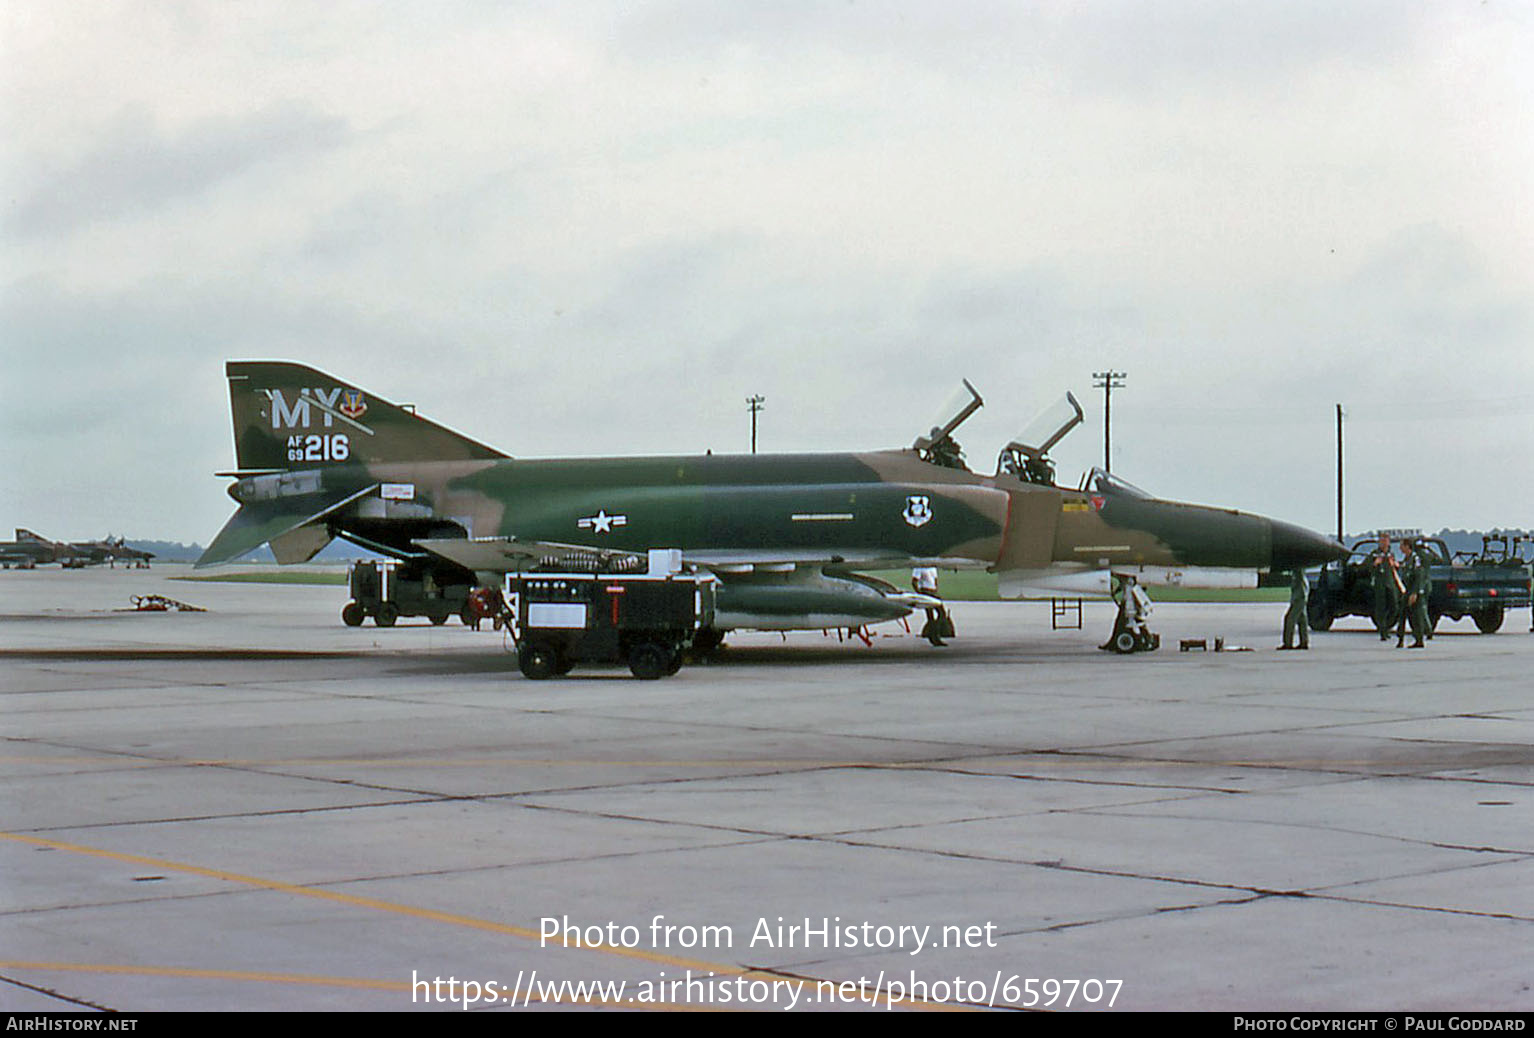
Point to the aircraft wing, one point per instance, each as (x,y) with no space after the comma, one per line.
(508,554)
(759,590)
(734,560)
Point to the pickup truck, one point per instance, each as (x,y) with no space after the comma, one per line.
(1482,587)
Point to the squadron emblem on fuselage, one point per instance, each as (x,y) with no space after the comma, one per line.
(352,404)
(918,510)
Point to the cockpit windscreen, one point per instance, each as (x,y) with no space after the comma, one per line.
(1099,481)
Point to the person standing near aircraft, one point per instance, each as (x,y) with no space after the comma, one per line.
(1295,617)
(1387,586)
(1415,582)
(924,580)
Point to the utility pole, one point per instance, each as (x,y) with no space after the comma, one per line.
(1108,381)
(1339,472)
(755,404)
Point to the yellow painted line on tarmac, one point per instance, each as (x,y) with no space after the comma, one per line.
(427,914)
(337,897)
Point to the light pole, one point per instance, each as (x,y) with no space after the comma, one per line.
(755,404)
(1339,472)
(1108,381)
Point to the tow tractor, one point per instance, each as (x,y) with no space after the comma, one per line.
(389,590)
(647,620)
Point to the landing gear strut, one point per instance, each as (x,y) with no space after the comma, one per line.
(1131,633)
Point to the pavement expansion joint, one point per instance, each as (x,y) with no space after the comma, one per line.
(1441,909)
(49,992)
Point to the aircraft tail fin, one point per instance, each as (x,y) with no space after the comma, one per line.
(289,416)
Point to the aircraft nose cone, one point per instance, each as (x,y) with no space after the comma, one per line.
(1295,547)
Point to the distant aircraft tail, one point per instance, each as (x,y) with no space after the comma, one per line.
(289,416)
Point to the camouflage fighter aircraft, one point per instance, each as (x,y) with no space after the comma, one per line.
(788,535)
(32,549)
(112,550)
(28,550)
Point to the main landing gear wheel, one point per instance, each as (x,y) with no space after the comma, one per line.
(387,614)
(1130,641)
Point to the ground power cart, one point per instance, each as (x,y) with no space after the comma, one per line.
(387,591)
(646,621)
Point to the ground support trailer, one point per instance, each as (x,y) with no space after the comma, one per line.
(647,621)
(387,591)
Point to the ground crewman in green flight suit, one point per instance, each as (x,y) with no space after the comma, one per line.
(1415,582)
(1387,593)
(1295,617)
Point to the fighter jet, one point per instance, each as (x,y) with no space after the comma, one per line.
(32,549)
(112,550)
(789,536)
(28,551)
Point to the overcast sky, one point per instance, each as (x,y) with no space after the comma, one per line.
(596,228)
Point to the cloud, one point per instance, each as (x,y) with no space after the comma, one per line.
(137,169)
(597,228)
(1099,48)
